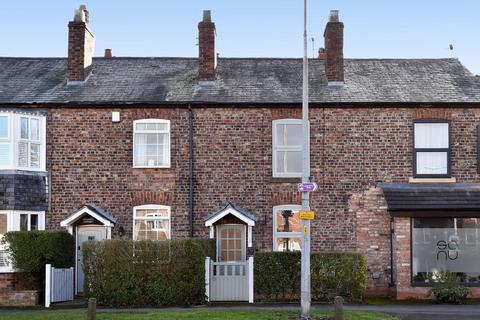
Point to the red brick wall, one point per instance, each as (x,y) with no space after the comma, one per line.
(90,160)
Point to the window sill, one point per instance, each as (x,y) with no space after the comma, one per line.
(150,167)
(432,180)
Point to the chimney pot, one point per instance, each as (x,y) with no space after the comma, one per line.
(108,53)
(321,54)
(334,16)
(207,16)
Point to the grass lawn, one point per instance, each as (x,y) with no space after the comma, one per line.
(198,314)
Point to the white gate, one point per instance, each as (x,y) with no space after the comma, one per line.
(59,284)
(229,281)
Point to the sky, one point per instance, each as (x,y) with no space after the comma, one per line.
(248,28)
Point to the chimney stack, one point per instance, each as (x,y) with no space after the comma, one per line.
(108,53)
(207,61)
(334,68)
(321,53)
(81,44)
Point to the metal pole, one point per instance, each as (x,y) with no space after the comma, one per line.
(305,269)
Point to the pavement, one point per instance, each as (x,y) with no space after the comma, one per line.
(403,311)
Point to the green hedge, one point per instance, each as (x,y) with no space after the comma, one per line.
(31,250)
(277,276)
(146,273)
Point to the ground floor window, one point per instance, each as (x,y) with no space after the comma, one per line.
(151,222)
(442,245)
(287,235)
(17,221)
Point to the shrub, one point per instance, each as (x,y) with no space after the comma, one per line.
(29,251)
(277,276)
(446,289)
(146,273)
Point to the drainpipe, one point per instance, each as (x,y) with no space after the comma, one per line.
(190,168)
(392,234)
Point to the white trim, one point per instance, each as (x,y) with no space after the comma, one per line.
(249,237)
(153,207)
(207,279)
(250,280)
(167,157)
(275,233)
(48,284)
(212,232)
(226,212)
(77,215)
(275,148)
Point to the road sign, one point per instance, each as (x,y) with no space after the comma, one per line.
(306,215)
(307,187)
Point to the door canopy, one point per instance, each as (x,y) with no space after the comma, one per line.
(231,209)
(93,211)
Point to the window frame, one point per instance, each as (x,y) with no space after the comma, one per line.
(276,148)
(153,207)
(13,224)
(14,138)
(417,150)
(281,234)
(167,157)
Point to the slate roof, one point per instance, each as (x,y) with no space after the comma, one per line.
(419,196)
(235,206)
(239,80)
(101,212)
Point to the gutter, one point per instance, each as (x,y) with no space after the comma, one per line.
(190,169)
(392,234)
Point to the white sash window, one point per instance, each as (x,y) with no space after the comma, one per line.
(432,149)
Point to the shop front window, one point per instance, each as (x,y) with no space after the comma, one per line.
(446,245)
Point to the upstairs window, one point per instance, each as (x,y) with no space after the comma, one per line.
(22,142)
(287,148)
(151,222)
(431,149)
(151,143)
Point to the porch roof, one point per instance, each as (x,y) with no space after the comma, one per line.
(452,197)
(94,211)
(233,209)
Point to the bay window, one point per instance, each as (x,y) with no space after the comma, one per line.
(442,245)
(431,149)
(151,143)
(22,142)
(287,235)
(151,222)
(287,148)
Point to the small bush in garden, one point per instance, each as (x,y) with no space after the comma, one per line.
(277,276)
(146,273)
(29,251)
(446,289)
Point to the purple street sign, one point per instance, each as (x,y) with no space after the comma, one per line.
(307,187)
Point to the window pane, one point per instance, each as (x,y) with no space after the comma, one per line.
(152,230)
(24,128)
(289,244)
(23,154)
(34,130)
(3,224)
(151,126)
(3,127)
(150,149)
(441,245)
(33,222)
(432,163)
(152,213)
(289,134)
(431,135)
(288,221)
(34,155)
(289,161)
(24,222)
(4,154)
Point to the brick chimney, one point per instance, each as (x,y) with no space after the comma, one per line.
(81,44)
(207,61)
(333,35)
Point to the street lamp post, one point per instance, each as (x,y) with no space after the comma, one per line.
(305,297)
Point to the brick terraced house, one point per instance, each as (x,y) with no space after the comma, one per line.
(160,148)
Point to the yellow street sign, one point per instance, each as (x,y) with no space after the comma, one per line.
(307,215)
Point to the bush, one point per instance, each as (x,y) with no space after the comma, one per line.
(277,276)
(29,251)
(446,289)
(146,273)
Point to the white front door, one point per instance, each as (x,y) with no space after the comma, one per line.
(86,233)
(231,244)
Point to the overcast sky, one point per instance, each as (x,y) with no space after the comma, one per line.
(248,28)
